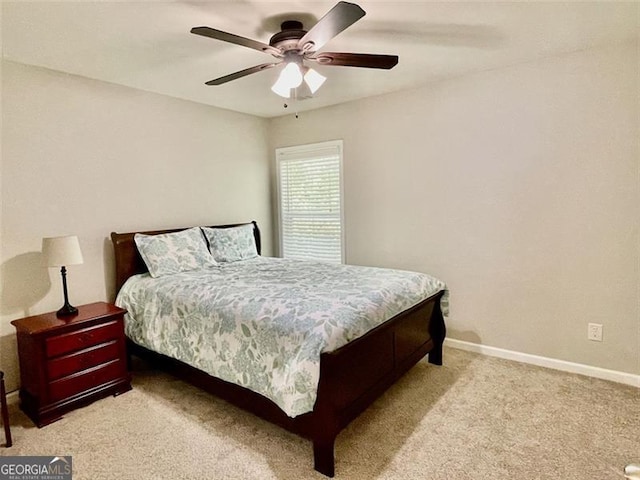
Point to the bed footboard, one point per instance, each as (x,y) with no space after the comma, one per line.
(354,376)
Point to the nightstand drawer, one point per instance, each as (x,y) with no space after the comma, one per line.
(77,361)
(85,380)
(87,337)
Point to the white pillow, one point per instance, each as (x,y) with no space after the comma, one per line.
(170,253)
(231,244)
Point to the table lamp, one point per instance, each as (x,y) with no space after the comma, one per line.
(60,252)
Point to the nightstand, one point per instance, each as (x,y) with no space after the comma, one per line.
(69,362)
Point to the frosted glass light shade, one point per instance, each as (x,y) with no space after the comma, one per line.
(292,75)
(314,80)
(281,88)
(61,251)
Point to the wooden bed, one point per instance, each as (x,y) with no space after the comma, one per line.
(351,378)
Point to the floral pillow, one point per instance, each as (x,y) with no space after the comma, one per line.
(170,253)
(231,244)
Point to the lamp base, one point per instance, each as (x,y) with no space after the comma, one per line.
(67,311)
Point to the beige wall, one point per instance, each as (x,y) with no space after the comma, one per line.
(519,187)
(86,157)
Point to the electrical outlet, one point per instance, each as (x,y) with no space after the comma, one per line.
(594,332)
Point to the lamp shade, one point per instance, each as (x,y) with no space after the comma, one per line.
(61,251)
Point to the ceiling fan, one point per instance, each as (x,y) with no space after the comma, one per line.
(293,45)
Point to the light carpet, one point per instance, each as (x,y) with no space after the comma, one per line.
(476,417)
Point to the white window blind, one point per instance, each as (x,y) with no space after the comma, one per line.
(310,199)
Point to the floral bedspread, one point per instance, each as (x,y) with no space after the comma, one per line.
(263,323)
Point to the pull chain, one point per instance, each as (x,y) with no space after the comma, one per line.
(295,102)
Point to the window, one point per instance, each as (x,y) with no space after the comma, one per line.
(310,201)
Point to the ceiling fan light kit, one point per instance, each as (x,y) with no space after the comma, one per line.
(293,45)
(289,78)
(292,77)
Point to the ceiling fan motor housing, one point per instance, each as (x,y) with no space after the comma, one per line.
(288,38)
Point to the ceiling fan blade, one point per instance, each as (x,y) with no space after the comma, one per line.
(238,40)
(241,73)
(339,18)
(365,60)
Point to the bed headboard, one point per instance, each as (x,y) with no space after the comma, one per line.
(128,259)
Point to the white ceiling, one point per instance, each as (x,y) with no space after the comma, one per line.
(147,45)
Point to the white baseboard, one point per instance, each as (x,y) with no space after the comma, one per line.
(12,397)
(596,372)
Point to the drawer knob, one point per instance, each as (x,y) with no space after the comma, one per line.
(85,337)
